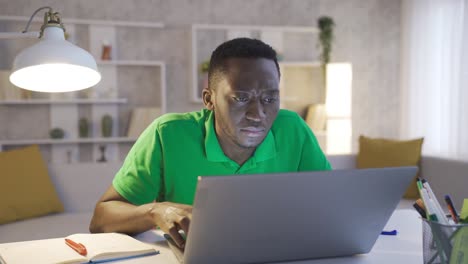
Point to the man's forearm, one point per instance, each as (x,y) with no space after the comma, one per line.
(122,217)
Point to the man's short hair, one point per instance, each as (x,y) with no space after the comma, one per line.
(238,48)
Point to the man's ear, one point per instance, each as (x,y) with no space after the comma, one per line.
(208,96)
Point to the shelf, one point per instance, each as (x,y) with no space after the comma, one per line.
(65,101)
(47,141)
(65,110)
(256,27)
(321,133)
(300,63)
(75,21)
(131,63)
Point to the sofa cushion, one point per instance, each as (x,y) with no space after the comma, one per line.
(80,185)
(380,153)
(25,190)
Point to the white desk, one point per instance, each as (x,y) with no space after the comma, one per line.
(405,247)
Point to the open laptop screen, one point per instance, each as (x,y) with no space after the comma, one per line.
(289,216)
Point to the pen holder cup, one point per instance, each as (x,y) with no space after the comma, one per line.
(444,244)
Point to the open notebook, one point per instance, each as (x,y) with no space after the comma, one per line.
(100,248)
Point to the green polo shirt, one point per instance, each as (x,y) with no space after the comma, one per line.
(175,149)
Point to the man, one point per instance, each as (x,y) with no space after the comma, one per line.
(241,131)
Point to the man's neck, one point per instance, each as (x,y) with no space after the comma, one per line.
(236,153)
(240,157)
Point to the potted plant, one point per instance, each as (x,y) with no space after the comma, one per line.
(325,25)
(204,67)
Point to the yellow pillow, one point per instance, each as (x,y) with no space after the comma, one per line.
(379,153)
(25,187)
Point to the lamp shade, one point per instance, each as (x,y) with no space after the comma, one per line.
(54,65)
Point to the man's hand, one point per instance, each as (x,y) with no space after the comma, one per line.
(171,218)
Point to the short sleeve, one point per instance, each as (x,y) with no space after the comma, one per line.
(139,178)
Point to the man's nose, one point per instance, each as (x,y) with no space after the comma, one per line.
(255,111)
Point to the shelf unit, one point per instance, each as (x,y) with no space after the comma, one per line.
(49,141)
(76,21)
(301,85)
(301,82)
(64,101)
(120,72)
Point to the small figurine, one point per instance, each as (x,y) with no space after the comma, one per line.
(102,148)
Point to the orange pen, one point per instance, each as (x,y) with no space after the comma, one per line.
(78,247)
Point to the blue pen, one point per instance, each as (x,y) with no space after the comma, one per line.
(389,233)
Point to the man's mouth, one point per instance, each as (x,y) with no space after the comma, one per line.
(253,131)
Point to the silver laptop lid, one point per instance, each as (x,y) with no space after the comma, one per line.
(290,216)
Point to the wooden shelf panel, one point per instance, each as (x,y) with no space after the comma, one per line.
(65,20)
(256,27)
(300,63)
(131,63)
(47,141)
(64,101)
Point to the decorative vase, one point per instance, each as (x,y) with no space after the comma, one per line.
(56,133)
(83,127)
(106,50)
(106,126)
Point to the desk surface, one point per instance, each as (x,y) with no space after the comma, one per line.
(405,247)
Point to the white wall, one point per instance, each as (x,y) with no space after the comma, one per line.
(367,34)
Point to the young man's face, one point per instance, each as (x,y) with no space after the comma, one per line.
(246,101)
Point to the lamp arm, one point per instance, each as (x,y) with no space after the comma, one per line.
(32,16)
(55,17)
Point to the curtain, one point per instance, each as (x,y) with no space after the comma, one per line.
(434,75)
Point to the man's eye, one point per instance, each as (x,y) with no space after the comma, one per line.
(241,99)
(269,100)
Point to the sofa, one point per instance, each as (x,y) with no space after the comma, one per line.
(79,186)
(445,176)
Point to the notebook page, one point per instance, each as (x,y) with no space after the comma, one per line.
(111,245)
(40,252)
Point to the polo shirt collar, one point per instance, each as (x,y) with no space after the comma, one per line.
(266,150)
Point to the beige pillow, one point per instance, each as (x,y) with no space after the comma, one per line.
(25,190)
(379,153)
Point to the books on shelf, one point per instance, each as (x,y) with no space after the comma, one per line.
(102,247)
(141,118)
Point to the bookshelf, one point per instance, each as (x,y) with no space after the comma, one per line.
(124,77)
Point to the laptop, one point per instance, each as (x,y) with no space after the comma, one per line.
(262,218)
